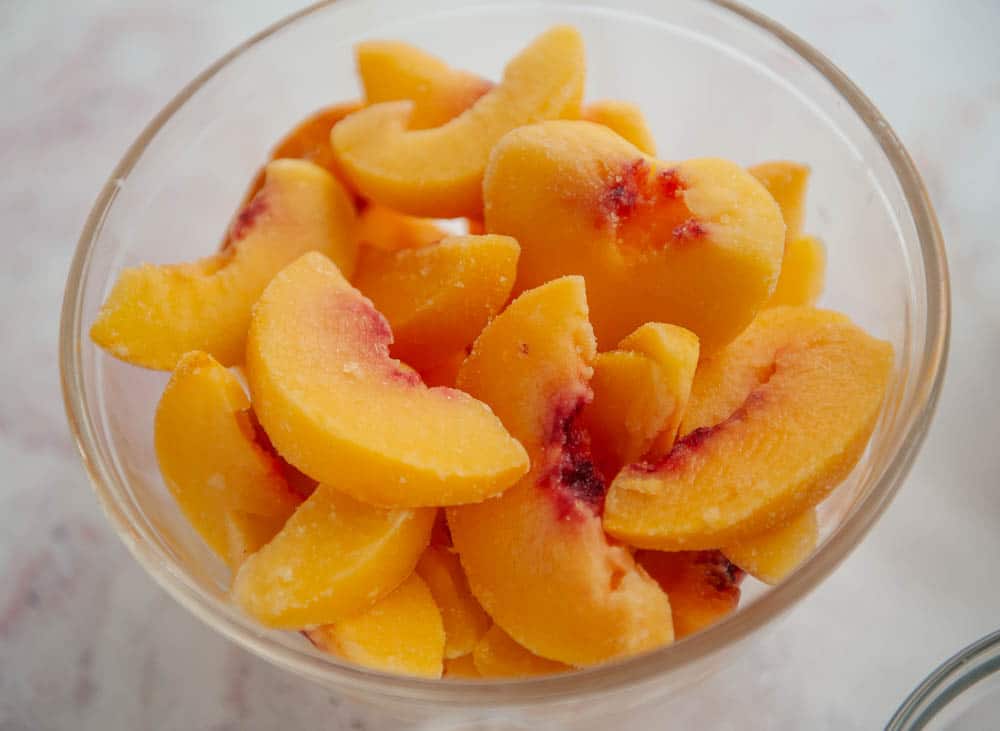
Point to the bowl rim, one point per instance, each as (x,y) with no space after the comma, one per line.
(604,678)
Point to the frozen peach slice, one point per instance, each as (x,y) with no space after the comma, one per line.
(695,243)
(396,71)
(786,182)
(779,418)
(461,667)
(497,655)
(771,556)
(536,557)
(802,272)
(155,314)
(438,298)
(623,118)
(337,407)
(464,620)
(382,228)
(228,486)
(334,558)
(401,633)
(703,586)
(438,172)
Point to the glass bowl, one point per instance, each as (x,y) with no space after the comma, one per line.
(713,79)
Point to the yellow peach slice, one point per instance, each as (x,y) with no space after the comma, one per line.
(536,556)
(623,118)
(780,417)
(401,633)
(228,486)
(695,243)
(337,407)
(155,314)
(802,272)
(786,182)
(438,172)
(497,655)
(395,71)
(464,620)
(439,297)
(382,228)
(334,558)
(771,556)
(461,667)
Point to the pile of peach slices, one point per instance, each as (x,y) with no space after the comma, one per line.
(558,439)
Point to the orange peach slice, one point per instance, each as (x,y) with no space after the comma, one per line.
(623,118)
(395,71)
(334,558)
(464,620)
(702,585)
(536,557)
(401,633)
(786,182)
(382,228)
(802,272)
(439,297)
(771,556)
(155,314)
(780,417)
(461,667)
(439,172)
(225,482)
(497,655)
(695,243)
(337,407)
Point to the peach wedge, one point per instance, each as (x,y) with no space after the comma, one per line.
(464,620)
(155,314)
(771,556)
(696,243)
(339,409)
(438,172)
(536,556)
(497,655)
(775,422)
(624,119)
(384,229)
(225,482)
(802,273)
(786,182)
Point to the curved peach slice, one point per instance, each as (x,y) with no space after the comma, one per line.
(401,633)
(780,417)
(771,556)
(702,585)
(340,409)
(802,272)
(438,298)
(464,620)
(227,485)
(334,558)
(380,227)
(395,71)
(786,182)
(155,314)
(439,172)
(536,556)
(695,243)
(461,667)
(497,655)
(623,118)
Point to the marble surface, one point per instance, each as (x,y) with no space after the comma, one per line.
(88,641)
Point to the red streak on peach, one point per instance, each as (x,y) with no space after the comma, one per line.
(248,216)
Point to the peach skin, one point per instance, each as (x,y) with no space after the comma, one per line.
(339,409)
(438,172)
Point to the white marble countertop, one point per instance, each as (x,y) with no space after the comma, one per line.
(88,641)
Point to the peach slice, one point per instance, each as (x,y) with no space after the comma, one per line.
(337,407)
(155,314)
(334,558)
(464,620)
(395,71)
(439,172)
(771,556)
(702,585)
(401,633)
(786,182)
(439,297)
(536,557)
(802,272)
(696,243)
(382,228)
(623,118)
(225,482)
(497,655)
(774,423)
(461,667)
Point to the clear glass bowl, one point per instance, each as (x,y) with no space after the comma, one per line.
(961,695)
(713,79)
